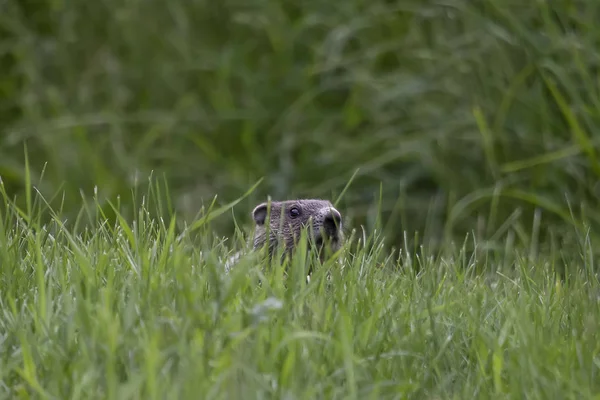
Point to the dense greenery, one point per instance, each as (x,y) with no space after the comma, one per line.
(464,113)
(459,137)
(142,310)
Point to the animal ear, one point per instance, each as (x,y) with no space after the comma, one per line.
(260,213)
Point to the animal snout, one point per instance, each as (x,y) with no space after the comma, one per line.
(332,222)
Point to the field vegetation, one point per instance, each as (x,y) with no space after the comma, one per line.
(459,140)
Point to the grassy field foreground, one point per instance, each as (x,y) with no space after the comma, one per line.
(142,310)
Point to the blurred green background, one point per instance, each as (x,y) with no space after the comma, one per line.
(459,116)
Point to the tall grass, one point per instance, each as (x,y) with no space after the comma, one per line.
(466,128)
(141,308)
(475,117)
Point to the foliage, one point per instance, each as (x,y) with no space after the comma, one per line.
(140,309)
(471,116)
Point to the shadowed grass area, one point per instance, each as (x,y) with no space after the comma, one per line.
(142,309)
(473,117)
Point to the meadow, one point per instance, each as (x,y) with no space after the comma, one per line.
(458,139)
(140,309)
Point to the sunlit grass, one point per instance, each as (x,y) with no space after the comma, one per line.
(142,309)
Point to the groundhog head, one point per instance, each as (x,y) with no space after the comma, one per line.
(281,222)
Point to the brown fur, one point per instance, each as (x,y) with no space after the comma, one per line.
(286,220)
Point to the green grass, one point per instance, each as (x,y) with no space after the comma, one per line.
(462,111)
(142,309)
(467,130)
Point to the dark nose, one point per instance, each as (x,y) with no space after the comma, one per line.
(332,221)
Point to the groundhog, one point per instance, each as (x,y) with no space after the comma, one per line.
(285,222)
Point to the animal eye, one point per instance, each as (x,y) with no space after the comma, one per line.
(294,212)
